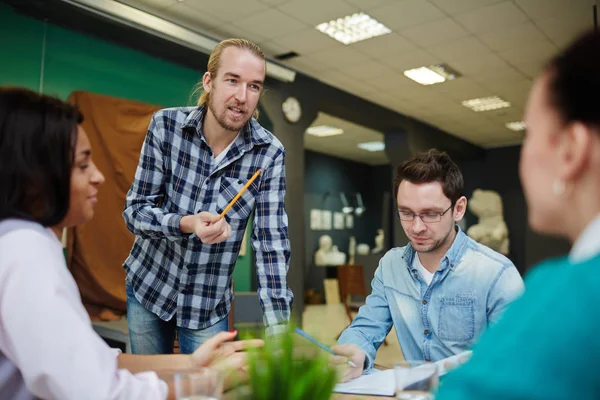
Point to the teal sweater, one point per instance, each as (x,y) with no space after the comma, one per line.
(546,345)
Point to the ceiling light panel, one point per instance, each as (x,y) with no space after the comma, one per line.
(324,130)
(431,74)
(486,103)
(372,146)
(516,126)
(353,28)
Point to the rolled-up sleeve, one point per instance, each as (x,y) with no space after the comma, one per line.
(271,244)
(144,213)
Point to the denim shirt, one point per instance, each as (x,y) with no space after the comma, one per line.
(468,292)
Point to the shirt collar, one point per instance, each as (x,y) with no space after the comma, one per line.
(587,244)
(453,255)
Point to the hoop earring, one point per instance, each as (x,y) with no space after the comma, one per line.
(558,187)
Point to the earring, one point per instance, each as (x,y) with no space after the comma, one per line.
(558,187)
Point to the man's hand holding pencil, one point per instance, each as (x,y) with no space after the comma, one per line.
(212,228)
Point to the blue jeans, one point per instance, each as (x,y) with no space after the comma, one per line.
(149,334)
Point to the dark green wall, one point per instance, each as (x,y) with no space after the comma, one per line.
(325,177)
(78,62)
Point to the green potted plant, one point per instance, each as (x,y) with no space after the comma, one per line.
(287,368)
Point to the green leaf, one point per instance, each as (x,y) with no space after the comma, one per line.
(277,371)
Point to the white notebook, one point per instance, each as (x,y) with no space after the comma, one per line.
(382,383)
(379,383)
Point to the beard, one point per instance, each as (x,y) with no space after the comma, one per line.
(430,248)
(233,125)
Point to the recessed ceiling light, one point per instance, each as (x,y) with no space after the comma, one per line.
(431,74)
(353,28)
(486,103)
(324,130)
(516,126)
(372,146)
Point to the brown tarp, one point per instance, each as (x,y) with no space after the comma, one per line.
(96,250)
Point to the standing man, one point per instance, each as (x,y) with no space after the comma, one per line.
(443,289)
(193,163)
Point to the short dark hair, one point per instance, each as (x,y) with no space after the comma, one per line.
(38,135)
(574,81)
(432,166)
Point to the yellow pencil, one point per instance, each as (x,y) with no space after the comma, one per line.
(237,196)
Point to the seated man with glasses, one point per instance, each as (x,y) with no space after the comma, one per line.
(442,289)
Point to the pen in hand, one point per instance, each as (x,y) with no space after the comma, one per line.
(321,345)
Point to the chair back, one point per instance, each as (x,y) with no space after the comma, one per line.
(351,281)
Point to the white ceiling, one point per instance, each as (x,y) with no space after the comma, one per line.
(497,45)
(346,144)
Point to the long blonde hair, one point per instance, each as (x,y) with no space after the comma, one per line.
(214,62)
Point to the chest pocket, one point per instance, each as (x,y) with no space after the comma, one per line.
(457,318)
(229,188)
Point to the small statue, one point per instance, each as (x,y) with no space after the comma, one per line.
(352,250)
(336,257)
(362,249)
(328,254)
(491,229)
(378,242)
(321,256)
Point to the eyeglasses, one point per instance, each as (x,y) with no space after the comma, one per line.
(426,218)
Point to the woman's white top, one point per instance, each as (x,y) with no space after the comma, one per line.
(48,348)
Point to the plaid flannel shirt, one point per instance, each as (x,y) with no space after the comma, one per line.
(175,274)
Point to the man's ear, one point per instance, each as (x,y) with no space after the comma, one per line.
(460,207)
(207,82)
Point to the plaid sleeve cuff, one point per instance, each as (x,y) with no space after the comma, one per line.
(172,222)
(274,330)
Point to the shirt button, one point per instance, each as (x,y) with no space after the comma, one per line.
(426,331)
(428,359)
(416,276)
(424,301)
(452,265)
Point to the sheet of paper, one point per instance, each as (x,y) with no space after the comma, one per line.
(338,220)
(379,383)
(448,364)
(326,222)
(315,220)
(349,221)
(382,383)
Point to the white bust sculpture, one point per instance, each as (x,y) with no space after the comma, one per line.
(491,229)
(362,249)
(328,254)
(336,257)
(378,242)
